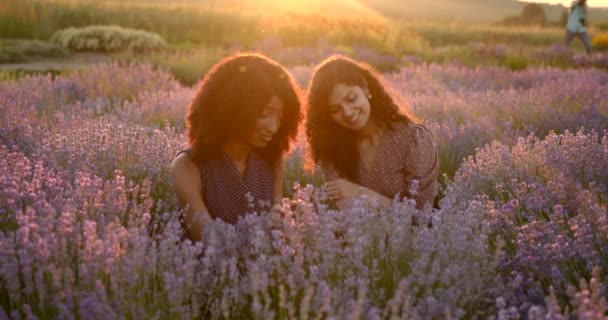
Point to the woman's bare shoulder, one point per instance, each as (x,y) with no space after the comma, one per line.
(182,162)
(184,172)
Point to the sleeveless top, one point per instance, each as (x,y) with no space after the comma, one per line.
(227,194)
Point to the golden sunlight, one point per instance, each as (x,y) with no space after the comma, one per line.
(326,7)
(567,3)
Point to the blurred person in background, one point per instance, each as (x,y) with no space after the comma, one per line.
(577,24)
(242,119)
(365,144)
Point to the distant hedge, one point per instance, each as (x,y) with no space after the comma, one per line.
(19,50)
(108,39)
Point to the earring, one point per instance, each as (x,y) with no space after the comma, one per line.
(369,96)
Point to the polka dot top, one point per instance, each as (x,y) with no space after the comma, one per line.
(227,194)
(406,164)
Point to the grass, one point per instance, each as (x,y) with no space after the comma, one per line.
(441,34)
(187,66)
(38,19)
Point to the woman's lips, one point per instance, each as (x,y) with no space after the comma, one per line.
(354,118)
(265,138)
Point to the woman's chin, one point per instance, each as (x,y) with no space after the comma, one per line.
(356,126)
(259,144)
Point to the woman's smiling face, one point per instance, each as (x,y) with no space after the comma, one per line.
(349,106)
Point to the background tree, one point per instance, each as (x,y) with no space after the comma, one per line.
(563,19)
(533,14)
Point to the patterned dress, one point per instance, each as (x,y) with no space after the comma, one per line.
(227,194)
(406,164)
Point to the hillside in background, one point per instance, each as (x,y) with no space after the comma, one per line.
(484,11)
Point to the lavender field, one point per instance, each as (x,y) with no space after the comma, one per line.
(89,226)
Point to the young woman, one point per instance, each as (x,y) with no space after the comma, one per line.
(577,24)
(364,143)
(243,116)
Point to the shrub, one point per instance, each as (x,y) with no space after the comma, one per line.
(531,14)
(600,41)
(84,241)
(545,199)
(108,39)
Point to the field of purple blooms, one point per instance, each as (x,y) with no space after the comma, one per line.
(89,226)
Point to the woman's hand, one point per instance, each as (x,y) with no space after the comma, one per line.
(341,189)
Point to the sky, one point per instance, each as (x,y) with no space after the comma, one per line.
(591,3)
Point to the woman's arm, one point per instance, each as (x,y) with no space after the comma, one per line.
(342,190)
(422,166)
(187,185)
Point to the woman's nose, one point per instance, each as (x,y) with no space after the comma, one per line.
(347,110)
(273,124)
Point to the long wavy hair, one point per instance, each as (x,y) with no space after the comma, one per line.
(331,143)
(229,99)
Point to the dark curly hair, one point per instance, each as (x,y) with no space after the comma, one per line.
(229,99)
(330,143)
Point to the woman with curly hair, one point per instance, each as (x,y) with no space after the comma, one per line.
(242,118)
(365,145)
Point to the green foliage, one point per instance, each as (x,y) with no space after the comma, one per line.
(18,19)
(13,50)
(14,75)
(108,39)
(516,62)
(563,19)
(532,14)
(187,66)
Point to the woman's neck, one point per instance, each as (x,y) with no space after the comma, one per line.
(371,132)
(237,150)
